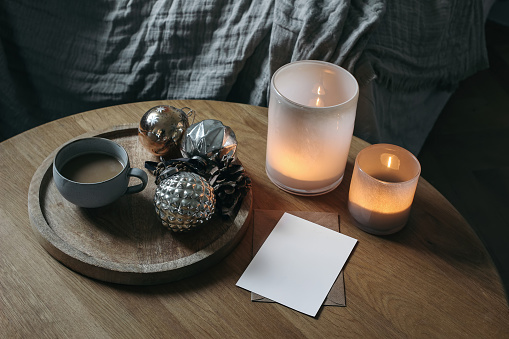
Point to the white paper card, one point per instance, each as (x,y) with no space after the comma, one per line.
(298,264)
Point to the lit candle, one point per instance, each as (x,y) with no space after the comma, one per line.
(383,186)
(311,119)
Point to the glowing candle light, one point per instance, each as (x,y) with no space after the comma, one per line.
(311,119)
(383,186)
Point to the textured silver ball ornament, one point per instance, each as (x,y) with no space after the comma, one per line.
(183,201)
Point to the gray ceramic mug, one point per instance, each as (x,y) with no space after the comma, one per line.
(96,194)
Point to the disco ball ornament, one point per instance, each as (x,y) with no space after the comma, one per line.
(162,127)
(183,201)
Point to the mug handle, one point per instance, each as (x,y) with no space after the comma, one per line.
(140,174)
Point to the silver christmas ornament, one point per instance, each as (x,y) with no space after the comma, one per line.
(209,139)
(161,129)
(183,201)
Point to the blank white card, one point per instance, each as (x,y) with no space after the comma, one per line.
(298,264)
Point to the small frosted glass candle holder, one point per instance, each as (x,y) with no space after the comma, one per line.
(312,111)
(383,186)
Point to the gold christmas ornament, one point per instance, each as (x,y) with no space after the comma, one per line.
(162,127)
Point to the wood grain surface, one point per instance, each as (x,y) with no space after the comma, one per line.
(125,241)
(432,279)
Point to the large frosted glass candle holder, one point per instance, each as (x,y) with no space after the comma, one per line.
(383,186)
(312,111)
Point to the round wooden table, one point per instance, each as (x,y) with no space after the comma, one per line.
(432,279)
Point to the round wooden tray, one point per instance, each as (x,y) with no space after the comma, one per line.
(125,242)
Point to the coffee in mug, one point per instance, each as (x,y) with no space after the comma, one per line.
(94,172)
(92,167)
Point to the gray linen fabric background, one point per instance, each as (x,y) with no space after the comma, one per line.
(58,58)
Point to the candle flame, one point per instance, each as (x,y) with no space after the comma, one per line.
(390,161)
(320,92)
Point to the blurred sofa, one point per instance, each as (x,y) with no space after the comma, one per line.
(60,58)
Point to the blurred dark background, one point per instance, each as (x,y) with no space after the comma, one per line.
(466,155)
